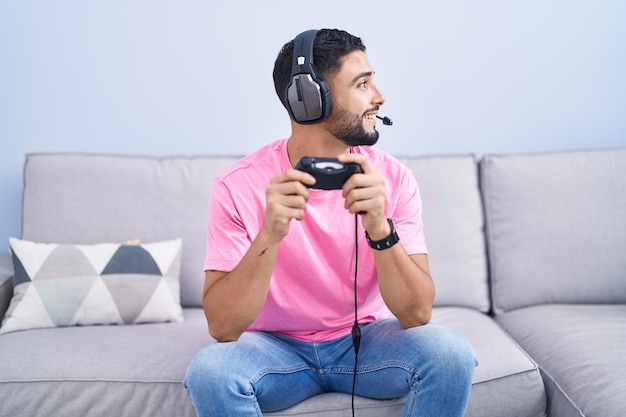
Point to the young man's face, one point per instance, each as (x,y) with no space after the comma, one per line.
(355,100)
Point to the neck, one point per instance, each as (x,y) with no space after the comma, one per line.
(313,140)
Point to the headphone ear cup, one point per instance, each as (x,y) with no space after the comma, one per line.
(308,98)
(307,95)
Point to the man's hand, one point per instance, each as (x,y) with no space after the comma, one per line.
(286,199)
(366,193)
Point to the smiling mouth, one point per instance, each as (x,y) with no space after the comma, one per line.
(371,113)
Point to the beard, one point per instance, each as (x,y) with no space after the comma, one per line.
(348,127)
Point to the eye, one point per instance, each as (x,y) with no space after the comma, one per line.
(363,84)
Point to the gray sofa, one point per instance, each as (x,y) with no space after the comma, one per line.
(528,252)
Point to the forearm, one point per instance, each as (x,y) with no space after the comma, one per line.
(405,285)
(234,300)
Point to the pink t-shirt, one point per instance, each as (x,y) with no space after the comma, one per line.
(311,295)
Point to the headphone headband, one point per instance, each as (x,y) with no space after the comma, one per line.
(303,48)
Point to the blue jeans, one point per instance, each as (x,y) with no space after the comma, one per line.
(430,364)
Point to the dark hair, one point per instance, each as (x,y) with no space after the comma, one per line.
(330,46)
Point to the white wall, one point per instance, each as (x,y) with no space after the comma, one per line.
(194,77)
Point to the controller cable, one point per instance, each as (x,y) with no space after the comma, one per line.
(356,330)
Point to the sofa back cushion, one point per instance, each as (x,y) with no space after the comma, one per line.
(454,228)
(556,227)
(89,198)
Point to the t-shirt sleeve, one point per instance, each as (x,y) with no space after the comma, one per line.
(227,238)
(407,215)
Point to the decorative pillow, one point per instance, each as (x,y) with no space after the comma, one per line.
(59,285)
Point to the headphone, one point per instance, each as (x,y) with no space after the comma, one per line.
(308,94)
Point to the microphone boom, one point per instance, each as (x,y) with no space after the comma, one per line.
(386,121)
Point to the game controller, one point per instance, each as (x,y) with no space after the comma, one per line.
(329,173)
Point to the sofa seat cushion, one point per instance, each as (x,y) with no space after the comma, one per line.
(506,381)
(100,370)
(581,352)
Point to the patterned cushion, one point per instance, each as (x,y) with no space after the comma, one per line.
(107,283)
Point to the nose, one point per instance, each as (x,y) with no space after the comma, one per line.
(378,97)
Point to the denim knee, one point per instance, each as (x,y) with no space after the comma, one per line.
(218,383)
(443,379)
(211,368)
(451,357)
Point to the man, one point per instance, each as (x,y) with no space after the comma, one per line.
(282,260)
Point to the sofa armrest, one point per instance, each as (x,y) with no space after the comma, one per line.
(6,283)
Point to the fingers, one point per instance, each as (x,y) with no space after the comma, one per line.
(358,158)
(364,192)
(286,199)
(363,196)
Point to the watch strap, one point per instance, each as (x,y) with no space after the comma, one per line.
(387,242)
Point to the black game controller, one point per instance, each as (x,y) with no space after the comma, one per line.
(329,173)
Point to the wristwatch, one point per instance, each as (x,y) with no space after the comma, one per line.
(385,243)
